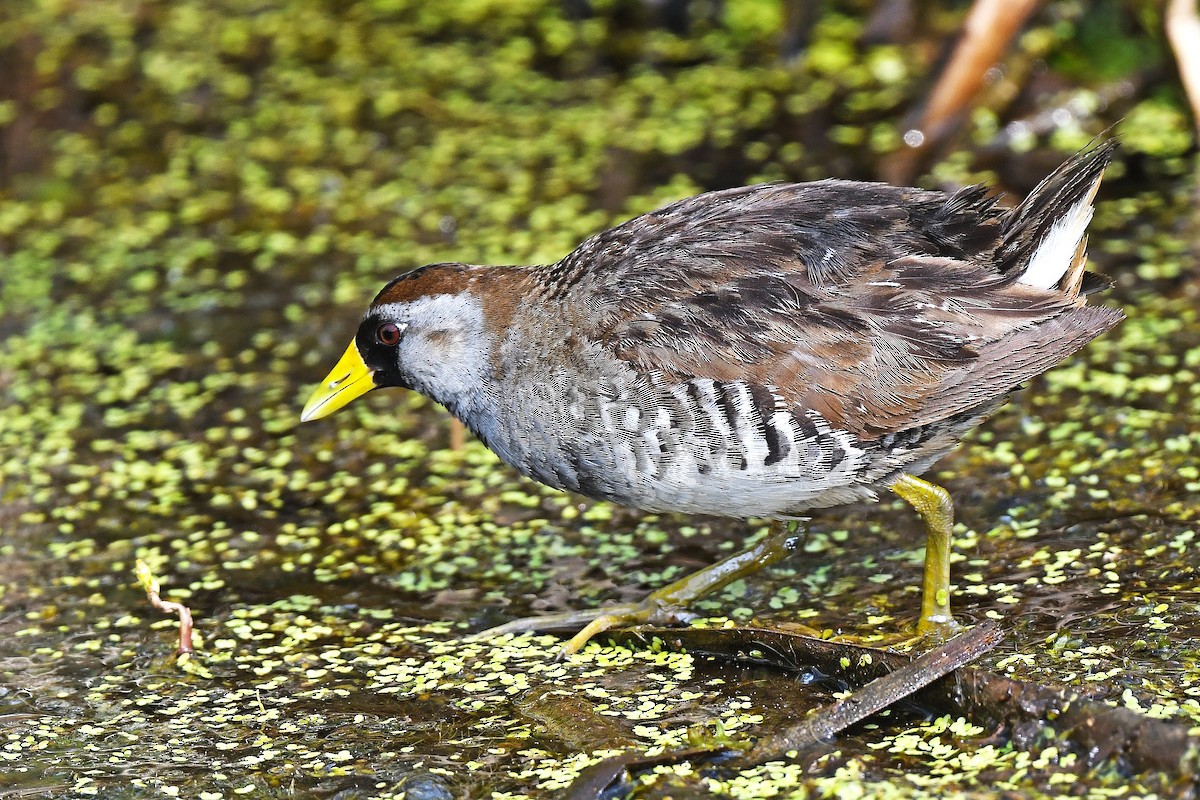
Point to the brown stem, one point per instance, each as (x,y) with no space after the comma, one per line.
(150,585)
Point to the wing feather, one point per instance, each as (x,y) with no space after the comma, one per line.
(879,307)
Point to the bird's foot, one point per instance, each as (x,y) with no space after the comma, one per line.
(668,605)
(930,633)
(654,610)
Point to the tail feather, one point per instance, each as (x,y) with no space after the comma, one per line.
(1094,282)
(1043,240)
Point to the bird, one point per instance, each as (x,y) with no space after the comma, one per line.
(753,352)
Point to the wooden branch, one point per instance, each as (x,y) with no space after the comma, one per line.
(1183,31)
(825,723)
(1095,731)
(987,32)
(817,729)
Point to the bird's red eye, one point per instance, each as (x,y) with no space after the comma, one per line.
(388,333)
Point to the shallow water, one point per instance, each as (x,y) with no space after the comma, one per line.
(185,262)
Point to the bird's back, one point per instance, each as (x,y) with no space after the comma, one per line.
(768,349)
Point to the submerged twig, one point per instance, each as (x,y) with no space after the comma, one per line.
(150,584)
(825,723)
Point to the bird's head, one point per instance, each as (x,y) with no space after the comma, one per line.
(423,331)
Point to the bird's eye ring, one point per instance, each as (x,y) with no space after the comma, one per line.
(388,333)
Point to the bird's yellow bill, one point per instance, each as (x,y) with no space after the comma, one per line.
(351,378)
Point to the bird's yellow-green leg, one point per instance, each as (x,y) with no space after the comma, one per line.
(933,504)
(668,604)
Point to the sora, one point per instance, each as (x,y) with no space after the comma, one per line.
(753,352)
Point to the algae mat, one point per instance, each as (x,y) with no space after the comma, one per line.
(198,199)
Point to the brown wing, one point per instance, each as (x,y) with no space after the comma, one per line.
(877,307)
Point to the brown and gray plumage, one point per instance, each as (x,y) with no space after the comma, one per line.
(758,351)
